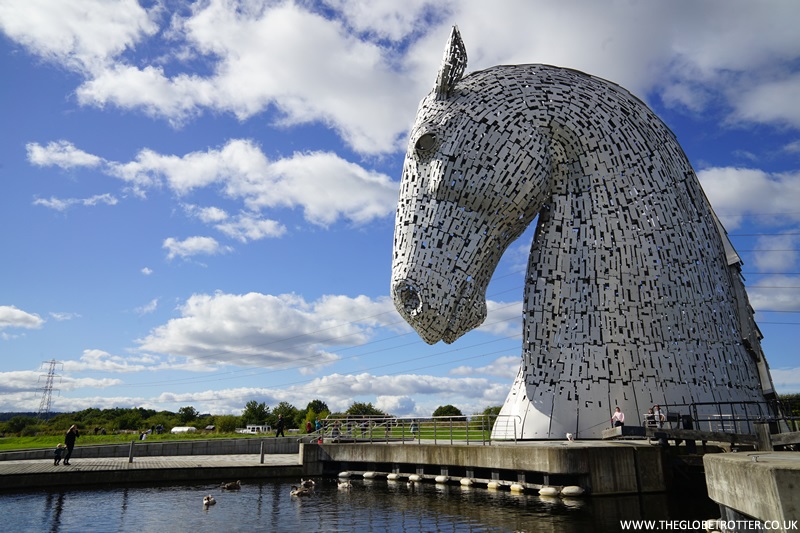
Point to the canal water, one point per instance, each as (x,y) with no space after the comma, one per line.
(369,506)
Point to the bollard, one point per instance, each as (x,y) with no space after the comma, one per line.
(262,452)
(130,453)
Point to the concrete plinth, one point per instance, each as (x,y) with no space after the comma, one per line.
(761,485)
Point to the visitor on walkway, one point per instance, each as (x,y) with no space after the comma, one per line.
(279,427)
(618,418)
(57,452)
(659,416)
(69,440)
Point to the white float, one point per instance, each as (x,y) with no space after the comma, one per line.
(572,490)
(548,491)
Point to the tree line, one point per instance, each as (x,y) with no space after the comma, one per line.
(118,419)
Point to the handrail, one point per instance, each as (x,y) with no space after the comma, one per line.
(463,429)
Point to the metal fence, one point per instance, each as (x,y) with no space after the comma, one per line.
(469,430)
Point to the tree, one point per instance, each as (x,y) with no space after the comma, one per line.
(187,414)
(255,413)
(317,406)
(492,411)
(290,415)
(363,409)
(226,423)
(447,410)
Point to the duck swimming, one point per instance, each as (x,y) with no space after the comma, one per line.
(300,491)
(233,485)
(208,500)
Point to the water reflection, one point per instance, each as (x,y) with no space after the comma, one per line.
(370,505)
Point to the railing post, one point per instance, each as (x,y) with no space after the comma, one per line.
(130,452)
(262,452)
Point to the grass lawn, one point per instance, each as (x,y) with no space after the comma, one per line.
(50,441)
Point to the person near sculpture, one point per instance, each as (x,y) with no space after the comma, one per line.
(69,440)
(279,427)
(659,416)
(650,419)
(618,418)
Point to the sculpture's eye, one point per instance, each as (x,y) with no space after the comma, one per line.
(426,142)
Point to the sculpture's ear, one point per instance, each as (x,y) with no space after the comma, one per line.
(454,63)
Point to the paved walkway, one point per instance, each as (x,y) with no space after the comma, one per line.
(41,472)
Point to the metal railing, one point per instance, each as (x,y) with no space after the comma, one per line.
(724,417)
(471,429)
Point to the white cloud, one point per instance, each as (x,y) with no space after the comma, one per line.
(277,56)
(146,271)
(786,380)
(775,293)
(505,367)
(61,154)
(83,34)
(503,319)
(62,204)
(769,102)
(192,246)
(323,184)
(396,405)
(148,308)
(735,193)
(249,227)
(11,317)
(64,316)
(263,330)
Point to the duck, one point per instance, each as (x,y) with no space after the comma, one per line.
(233,485)
(345,484)
(296,491)
(410,483)
(208,500)
(307,483)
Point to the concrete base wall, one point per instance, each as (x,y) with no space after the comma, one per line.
(623,469)
(761,485)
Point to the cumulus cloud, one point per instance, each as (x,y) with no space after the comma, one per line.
(256,61)
(192,246)
(11,317)
(60,154)
(735,193)
(83,34)
(263,330)
(503,367)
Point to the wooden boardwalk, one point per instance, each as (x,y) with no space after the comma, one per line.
(16,475)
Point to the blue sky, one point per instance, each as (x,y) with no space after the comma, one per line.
(197,198)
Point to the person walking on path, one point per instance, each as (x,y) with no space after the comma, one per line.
(69,440)
(279,427)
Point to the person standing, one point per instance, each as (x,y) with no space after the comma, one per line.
(659,416)
(618,418)
(279,427)
(69,440)
(57,453)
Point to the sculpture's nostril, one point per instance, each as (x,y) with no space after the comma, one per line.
(408,297)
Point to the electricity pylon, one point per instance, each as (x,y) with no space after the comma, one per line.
(47,390)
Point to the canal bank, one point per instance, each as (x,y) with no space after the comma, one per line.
(597,467)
